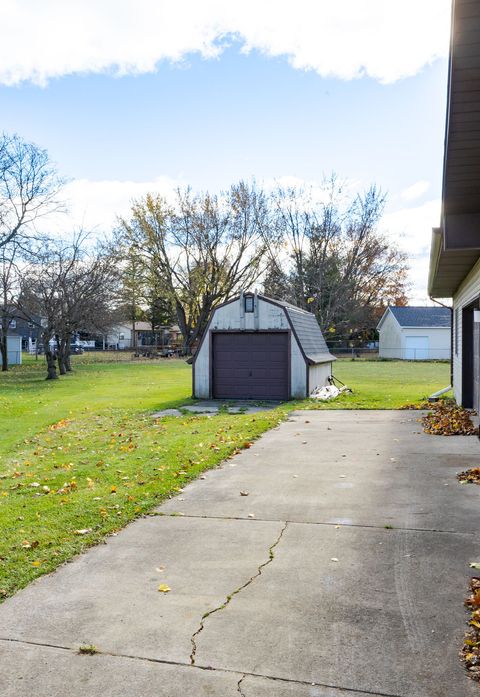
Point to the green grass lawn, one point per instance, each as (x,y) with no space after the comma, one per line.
(388,384)
(81,456)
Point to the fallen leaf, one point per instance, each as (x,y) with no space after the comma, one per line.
(251,515)
(334,559)
(83,531)
(475,564)
(244,493)
(163,588)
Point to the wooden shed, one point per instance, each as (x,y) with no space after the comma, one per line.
(258,348)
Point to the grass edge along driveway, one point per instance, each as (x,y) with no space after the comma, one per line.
(82,457)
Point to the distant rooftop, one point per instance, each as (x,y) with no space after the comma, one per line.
(422,316)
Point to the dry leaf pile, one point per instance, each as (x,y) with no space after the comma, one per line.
(417,405)
(449,420)
(470,652)
(472,476)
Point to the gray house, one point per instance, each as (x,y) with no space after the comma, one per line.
(258,348)
(415,333)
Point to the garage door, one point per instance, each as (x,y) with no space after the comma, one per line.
(250,365)
(416,348)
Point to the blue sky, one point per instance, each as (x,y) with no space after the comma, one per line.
(259,98)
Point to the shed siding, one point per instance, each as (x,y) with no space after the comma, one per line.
(230,317)
(298,376)
(318,375)
(390,344)
(467,292)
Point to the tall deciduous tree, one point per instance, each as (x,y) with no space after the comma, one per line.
(332,259)
(29,188)
(202,250)
(67,288)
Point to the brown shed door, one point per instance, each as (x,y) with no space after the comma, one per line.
(250,365)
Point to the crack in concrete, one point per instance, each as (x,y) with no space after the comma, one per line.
(309,522)
(271,556)
(239,686)
(196,666)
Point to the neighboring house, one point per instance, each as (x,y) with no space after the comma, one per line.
(455,250)
(19,325)
(29,331)
(415,333)
(14,349)
(258,348)
(125,336)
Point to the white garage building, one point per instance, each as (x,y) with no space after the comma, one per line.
(258,348)
(415,333)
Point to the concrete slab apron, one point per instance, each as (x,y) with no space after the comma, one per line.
(258,605)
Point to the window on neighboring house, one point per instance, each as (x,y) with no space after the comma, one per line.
(121,337)
(249,303)
(12,324)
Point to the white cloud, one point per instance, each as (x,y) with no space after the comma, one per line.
(411,229)
(415,191)
(384,39)
(95,205)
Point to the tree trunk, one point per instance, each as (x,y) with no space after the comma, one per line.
(50,357)
(67,354)
(51,367)
(61,354)
(3,351)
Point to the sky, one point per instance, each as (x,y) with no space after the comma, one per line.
(130,96)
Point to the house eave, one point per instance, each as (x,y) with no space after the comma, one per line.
(448,267)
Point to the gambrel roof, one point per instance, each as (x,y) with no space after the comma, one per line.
(307,331)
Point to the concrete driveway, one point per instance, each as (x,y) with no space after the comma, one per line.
(297,589)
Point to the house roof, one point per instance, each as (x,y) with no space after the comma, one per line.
(430,317)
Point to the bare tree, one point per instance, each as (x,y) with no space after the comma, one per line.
(67,288)
(202,250)
(335,262)
(29,187)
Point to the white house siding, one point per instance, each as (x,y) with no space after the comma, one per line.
(438,341)
(390,344)
(230,317)
(468,291)
(14,350)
